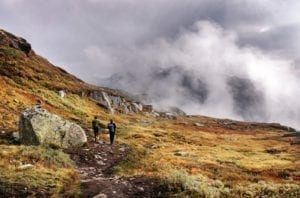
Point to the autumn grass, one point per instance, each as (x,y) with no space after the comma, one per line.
(53,170)
(203,156)
(214,160)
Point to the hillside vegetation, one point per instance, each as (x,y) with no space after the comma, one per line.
(193,155)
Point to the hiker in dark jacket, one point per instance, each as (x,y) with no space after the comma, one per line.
(112,131)
(96,127)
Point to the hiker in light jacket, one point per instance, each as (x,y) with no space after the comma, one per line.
(112,131)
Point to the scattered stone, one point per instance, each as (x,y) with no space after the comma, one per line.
(122,149)
(273,151)
(101,195)
(25,167)
(62,93)
(101,163)
(85,180)
(199,124)
(226,190)
(218,184)
(181,153)
(16,135)
(148,108)
(158,134)
(141,188)
(39,127)
(154,146)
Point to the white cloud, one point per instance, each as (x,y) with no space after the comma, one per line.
(211,54)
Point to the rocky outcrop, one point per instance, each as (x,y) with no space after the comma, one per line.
(115,103)
(39,127)
(10,40)
(175,111)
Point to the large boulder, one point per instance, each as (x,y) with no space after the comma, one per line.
(39,127)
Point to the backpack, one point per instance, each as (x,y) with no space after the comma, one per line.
(111,127)
(95,124)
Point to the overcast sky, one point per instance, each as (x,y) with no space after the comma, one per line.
(68,32)
(95,39)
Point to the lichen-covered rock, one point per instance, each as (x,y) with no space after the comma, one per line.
(39,127)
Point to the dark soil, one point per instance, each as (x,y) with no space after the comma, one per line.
(95,165)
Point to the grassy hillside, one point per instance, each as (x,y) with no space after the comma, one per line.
(211,157)
(195,155)
(24,78)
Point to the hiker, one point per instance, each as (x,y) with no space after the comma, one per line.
(96,127)
(112,131)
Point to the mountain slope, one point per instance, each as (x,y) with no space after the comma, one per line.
(26,77)
(195,156)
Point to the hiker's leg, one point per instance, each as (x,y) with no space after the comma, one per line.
(111,136)
(96,133)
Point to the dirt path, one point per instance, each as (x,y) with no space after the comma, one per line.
(95,164)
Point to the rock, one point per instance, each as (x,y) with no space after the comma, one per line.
(181,153)
(98,157)
(125,109)
(155,114)
(100,163)
(199,124)
(141,189)
(13,41)
(62,93)
(148,108)
(273,151)
(226,190)
(175,111)
(122,149)
(25,167)
(39,127)
(107,101)
(16,135)
(103,99)
(137,107)
(101,195)
(154,146)
(218,184)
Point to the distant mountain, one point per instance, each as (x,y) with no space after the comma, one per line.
(188,88)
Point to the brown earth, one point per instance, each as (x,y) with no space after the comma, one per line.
(96,163)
